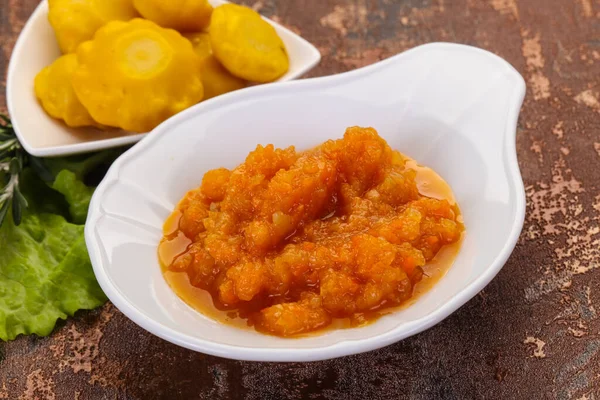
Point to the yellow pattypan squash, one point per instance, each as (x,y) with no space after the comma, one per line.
(183,15)
(75,21)
(247,45)
(201,43)
(54,90)
(135,74)
(215,78)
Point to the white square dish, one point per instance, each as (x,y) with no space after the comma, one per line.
(453,108)
(44,136)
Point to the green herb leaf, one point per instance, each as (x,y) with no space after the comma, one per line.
(14,166)
(17,211)
(13,160)
(22,200)
(4,211)
(40,168)
(8,144)
(6,120)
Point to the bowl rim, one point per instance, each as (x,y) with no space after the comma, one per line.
(345,347)
(85,147)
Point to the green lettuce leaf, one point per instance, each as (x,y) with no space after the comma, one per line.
(77,194)
(86,167)
(45,270)
(45,274)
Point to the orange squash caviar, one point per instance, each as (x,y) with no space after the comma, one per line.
(293,241)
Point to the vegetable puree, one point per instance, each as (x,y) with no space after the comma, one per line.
(294,242)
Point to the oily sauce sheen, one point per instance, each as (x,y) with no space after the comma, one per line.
(292,243)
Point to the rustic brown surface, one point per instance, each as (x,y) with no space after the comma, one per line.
(532,333)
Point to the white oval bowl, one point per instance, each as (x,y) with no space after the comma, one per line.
(451,107)
(44,136)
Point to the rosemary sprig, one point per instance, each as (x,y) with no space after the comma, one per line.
(13,159)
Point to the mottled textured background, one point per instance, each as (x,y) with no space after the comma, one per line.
(532,333)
